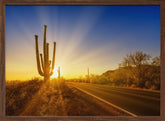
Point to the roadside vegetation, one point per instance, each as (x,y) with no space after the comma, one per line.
(137,70)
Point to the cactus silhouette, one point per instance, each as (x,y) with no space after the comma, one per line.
(44,68)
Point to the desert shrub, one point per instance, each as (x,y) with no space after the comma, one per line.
(93,78)
(103,80)
(99,79)
(148,84)
(133,85)
(153,87)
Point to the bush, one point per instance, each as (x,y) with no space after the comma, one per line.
(148,84)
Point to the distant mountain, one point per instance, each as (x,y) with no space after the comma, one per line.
(110,72)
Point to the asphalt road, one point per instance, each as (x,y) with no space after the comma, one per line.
(138,102)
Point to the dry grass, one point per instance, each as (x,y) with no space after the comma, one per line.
(18,94)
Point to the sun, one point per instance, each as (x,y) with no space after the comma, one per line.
(55,72)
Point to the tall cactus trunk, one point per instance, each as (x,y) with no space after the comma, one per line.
(46,78)
(44,68)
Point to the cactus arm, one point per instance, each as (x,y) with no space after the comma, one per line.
(51,73)
(42,63)
(37,57)
(53,60)
(50,69)
(44,47)
(47,51)
(49,63)
(54,51)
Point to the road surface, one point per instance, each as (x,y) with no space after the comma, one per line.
(136,101)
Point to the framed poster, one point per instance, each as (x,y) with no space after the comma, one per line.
(82,60)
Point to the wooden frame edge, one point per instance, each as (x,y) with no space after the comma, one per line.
(162,92)
(77,2)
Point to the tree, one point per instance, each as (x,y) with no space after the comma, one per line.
(137,63)
(153,74)
(152,77)
(156,61)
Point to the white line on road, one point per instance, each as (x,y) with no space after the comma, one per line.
(125,111)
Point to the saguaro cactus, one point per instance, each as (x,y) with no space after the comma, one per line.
(44,68)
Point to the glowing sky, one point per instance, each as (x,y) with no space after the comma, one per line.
(97,37)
